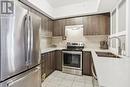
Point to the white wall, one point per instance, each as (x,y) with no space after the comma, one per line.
(128,27)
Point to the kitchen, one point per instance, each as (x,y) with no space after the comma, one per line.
(71,43)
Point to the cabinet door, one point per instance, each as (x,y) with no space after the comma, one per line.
(104,24)
(97,25)
(90,25)
(53,64)
(44,24)
(74,21)
(53,61)
(86,25)
(58,55)
(59,27)
(50,27)
(42,64)
(87,63)
(48,64)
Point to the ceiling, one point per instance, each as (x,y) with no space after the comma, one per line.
(61,3)
(56,9)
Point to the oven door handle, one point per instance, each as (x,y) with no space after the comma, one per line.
(73,52)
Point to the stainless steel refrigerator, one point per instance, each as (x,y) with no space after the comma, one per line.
(20,47)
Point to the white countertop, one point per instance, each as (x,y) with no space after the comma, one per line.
(110,72)
(50,49)
(60,48)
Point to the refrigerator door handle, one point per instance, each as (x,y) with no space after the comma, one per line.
(27,33)
(26,38)
(31,39)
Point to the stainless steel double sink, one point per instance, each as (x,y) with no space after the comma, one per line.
(107,54)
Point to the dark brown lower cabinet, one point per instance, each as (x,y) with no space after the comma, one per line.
(43,66)
(58,56)
(87,57)
(48,66)
(53,61)
(49,63)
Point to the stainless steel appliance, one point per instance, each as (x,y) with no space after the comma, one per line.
(19,47)
(72,58)
(30,78)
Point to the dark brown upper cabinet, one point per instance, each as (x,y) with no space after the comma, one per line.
(59,28)
(96,24)
(44,24)
(104,22)
(74,21)
(93,25)
(50,26)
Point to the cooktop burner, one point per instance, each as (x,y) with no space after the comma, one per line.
(74,46)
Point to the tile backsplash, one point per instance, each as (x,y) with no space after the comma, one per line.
(89,41)
(75,34)
(45,42)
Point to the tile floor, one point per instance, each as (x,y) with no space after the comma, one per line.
(59,79)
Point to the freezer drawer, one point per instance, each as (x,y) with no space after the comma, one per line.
(31,78)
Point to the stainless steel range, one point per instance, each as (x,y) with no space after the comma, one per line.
(72,58)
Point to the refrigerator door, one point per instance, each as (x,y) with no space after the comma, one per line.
(31,78)
(13,57)
(35,24)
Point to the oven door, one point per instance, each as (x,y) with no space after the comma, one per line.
(72,59)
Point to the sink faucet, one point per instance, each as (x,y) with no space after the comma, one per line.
(119,46)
